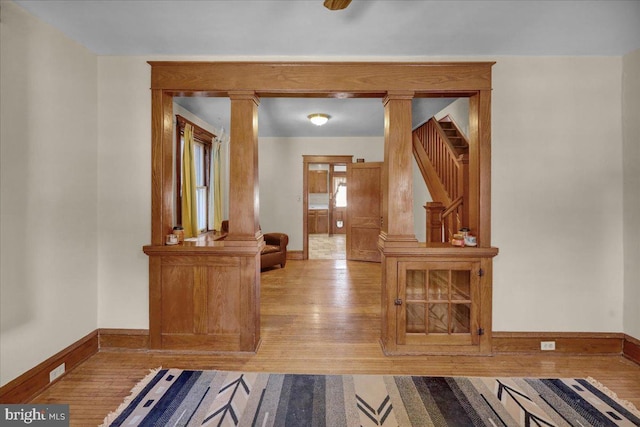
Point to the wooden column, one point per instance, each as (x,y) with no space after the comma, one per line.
(397,172)
(161,166)
(244,199)
(244,217)
(480,166)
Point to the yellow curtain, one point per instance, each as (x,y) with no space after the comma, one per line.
(217,187)
(189,206)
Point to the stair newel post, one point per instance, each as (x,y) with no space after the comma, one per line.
(434,222)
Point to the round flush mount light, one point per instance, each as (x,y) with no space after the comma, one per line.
(318,119)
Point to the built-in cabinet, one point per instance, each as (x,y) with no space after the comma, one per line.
(318,181)
(318,221)
(438,301)
(441,303)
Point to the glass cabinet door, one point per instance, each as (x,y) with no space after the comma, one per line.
(438,303)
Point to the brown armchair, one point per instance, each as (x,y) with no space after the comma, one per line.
(274,251)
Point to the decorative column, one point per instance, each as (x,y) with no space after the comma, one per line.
(397,173)
(162,166)
(480,166)
(244,199)
(245,238)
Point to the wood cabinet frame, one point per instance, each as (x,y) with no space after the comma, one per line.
(244,83)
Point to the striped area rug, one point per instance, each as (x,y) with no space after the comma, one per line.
(174,397)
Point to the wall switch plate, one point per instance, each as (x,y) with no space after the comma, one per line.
(54,374)
(547,345)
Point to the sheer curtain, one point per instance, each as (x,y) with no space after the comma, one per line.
(189,203)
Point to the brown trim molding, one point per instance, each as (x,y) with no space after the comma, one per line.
(199,134)
(130,339)
(566,342)
(295,255)
(631,349)
(36,380)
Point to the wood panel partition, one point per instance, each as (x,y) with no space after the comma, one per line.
(217,283)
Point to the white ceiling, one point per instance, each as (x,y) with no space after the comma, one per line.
(304,29)
(365,28)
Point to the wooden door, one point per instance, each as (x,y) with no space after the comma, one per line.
(438,304)
(364,210)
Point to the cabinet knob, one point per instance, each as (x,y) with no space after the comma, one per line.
(398,301)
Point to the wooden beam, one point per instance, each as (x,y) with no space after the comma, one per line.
(321,78)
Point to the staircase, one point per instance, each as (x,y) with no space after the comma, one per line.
(441,152)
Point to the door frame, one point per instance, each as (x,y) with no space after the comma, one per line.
(306,161)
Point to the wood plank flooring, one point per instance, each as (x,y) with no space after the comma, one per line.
(320,316)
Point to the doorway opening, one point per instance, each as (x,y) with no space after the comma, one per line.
(324,208)
(326,223)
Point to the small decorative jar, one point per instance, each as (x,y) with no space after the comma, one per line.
(457,240)
(179,231)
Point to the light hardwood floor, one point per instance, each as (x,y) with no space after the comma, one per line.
(320,316)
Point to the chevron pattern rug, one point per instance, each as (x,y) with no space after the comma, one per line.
(173,397)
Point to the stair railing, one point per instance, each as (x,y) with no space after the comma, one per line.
(452,171)
(448,164)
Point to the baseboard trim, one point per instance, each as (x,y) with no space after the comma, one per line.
(130,339)
(296,255)
(587,343)
(503,342)
(36,380)
(631,349)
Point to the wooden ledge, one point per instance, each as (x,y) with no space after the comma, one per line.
(214,248)
(440,249)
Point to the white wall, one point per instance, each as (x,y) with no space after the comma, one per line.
(48,220)
(631,159)
(280,170)
(458,110)
(557,194)
(124,191)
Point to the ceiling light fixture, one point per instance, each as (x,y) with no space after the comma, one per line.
(336,4)
(318,119)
